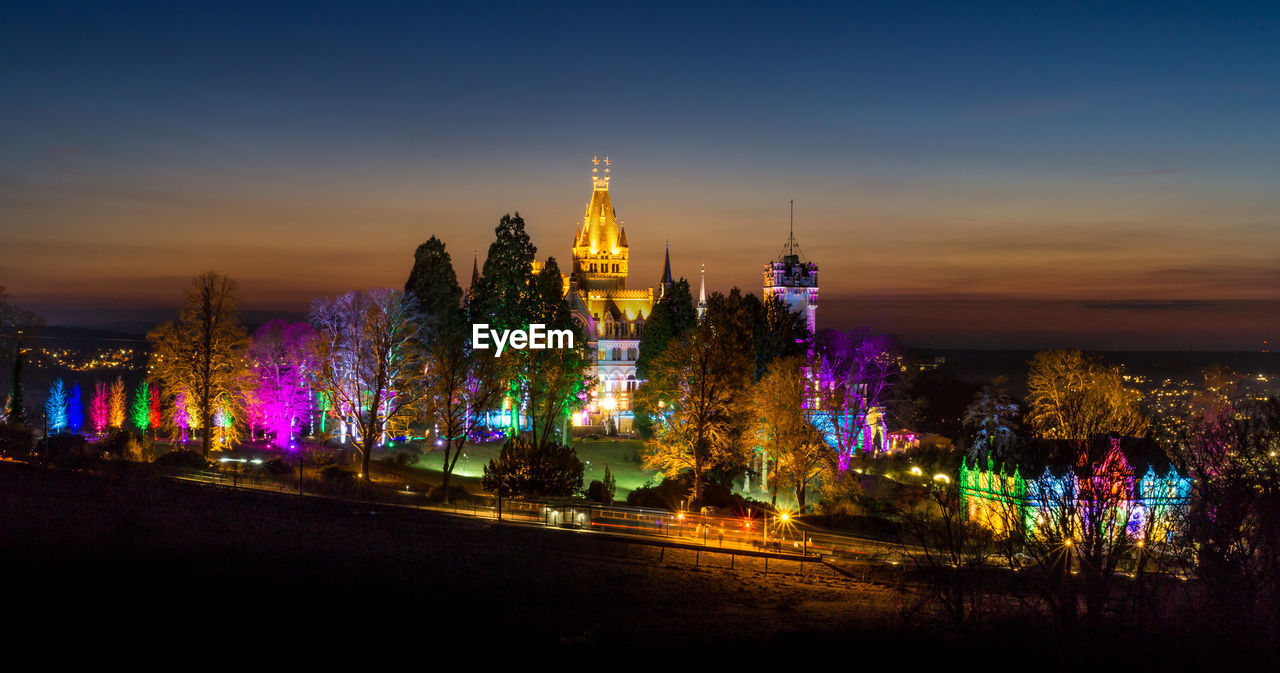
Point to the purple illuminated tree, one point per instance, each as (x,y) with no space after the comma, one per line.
(854,378)
(280,356)
(181,415)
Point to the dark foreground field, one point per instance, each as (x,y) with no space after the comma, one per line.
(129,557)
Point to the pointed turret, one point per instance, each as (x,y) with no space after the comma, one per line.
(665,284)
(475,269)
(702,293)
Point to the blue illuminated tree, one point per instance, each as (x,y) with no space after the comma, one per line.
(75,409)
(56,407)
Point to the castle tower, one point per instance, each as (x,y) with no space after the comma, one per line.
(613,316)
(794,279)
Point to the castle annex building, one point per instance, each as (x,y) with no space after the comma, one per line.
(613,315)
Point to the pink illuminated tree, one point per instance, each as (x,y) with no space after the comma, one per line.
(280,360)
(99,407)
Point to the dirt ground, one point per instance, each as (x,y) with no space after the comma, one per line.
(95,563)
(91,546)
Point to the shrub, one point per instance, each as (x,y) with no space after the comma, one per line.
(334,474)
(182,458)
(456,494)
(277,466)
(16,439)
(525,470)
(67,445)
(126,444)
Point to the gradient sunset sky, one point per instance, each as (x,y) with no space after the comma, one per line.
(981,175)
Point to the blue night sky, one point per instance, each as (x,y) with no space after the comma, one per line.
(989,174)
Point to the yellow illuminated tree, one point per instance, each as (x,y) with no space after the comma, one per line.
(1074,395)
(793,449)
(116,404)
(697,394)
(203,352)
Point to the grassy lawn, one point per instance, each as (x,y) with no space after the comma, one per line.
(622,456)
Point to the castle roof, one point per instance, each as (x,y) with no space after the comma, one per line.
(600,231)
(1060,457)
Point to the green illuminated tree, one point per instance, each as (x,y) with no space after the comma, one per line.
(140,409)
(553,381)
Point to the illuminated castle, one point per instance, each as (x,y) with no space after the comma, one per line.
(794,280)
(613,316)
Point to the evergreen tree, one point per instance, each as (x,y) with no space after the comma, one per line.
(434,284)
(16,410)
(671,316)
(552,380)
(610,486)
(523,469)
(503,297)
(778,331)
(462,385)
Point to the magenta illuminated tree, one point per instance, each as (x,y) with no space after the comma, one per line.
(854,377)
(100,407)
(280,356)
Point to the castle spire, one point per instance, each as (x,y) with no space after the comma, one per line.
(667,281)
(475,268)
(702,293)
